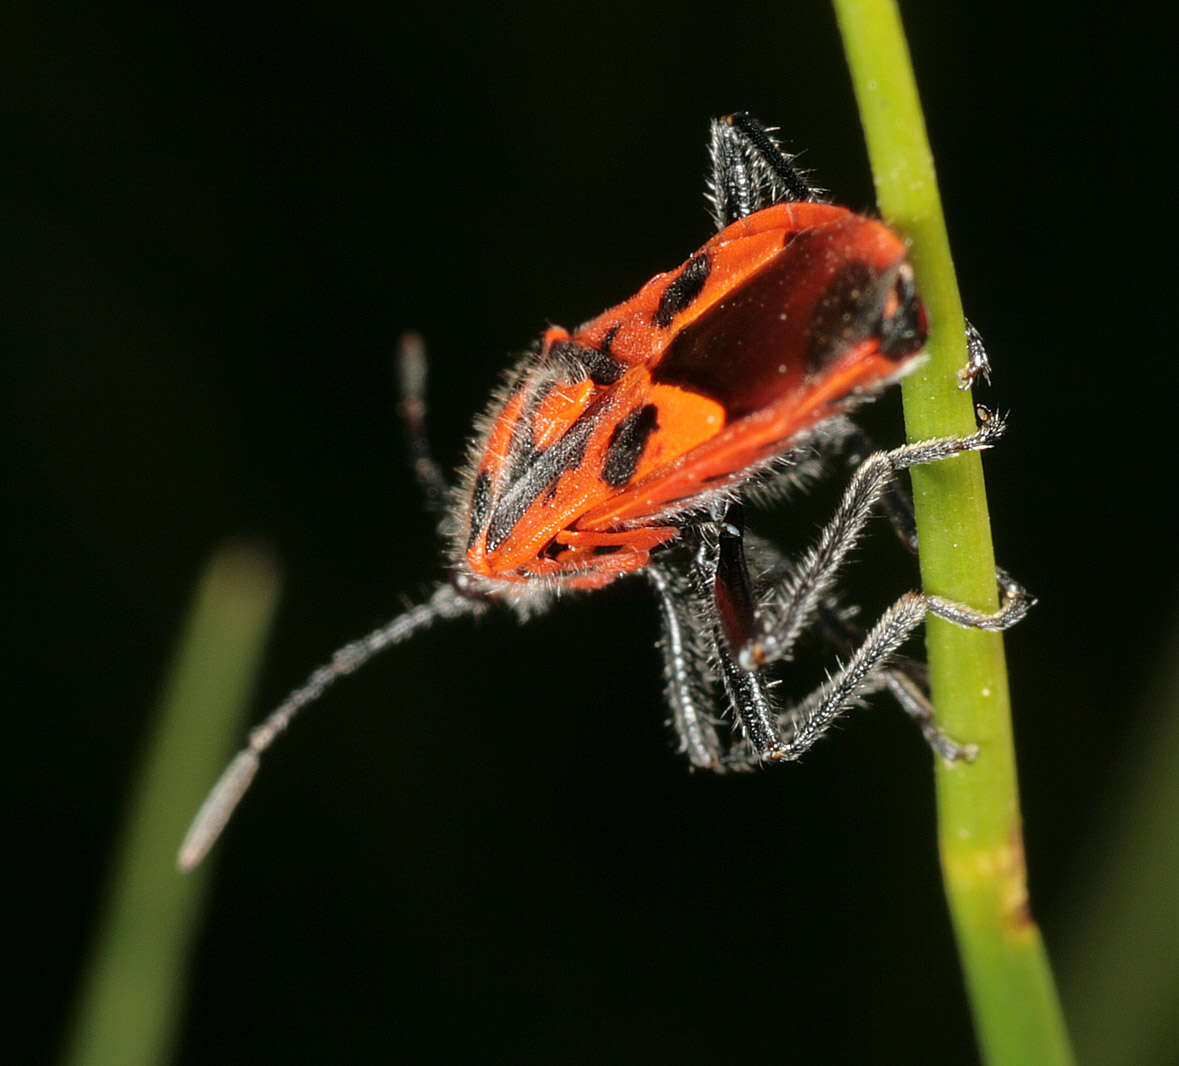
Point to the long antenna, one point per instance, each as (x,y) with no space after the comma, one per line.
(215,812)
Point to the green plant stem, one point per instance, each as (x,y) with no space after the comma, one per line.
(1013,998)
(132,991)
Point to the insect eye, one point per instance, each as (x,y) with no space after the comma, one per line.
(903,326)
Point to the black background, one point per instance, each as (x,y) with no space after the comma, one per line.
(484,847)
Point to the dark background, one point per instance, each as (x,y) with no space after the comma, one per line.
(218,221)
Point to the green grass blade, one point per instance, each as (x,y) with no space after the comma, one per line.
(132,992)
(1013,998)
(1119,975)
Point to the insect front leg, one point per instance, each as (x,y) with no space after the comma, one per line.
(897,502)
(896,498)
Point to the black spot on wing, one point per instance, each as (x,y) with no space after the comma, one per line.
(601,367)
(626,445)
(739,351)
(535,480)
(683,289)
(480,503)
(844,315)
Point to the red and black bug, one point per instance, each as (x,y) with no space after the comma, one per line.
(630,446)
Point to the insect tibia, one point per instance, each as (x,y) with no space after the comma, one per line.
(215,812)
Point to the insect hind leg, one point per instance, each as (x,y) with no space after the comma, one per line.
(866,670)
(750,171)
(750,638)
(803,592)
(903,679)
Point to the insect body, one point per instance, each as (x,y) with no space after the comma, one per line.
(630,445)
(610,433)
